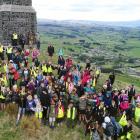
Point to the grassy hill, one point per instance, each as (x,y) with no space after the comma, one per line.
(107,47)
(31,129)
(104,41)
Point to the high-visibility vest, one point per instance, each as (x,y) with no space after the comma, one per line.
(1,96)
(60,113)
(94,82)
(15,36)
(123,120)
(39,115)
(33,73)
(71,113)
(97,72)
(127,136)
(1,49)
(137,114)
(4,80)
(44,68)
(5,67)
(50,70)
(9,50)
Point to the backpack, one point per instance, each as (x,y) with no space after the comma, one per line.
(109,131)
(118,128)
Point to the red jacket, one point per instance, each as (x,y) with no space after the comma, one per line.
(15,73)
(68,75)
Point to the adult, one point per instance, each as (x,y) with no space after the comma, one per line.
(131,93)
(22,41)
(9,52)
(50,51)
(1,52)
(112,78)
(14,39)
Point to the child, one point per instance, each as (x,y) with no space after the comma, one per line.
(21,104)
(60,113)
(71,115)
(52,115)
(30,105)
(38,111)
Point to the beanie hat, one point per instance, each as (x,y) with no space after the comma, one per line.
(107,119)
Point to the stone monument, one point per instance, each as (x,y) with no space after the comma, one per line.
(16,16)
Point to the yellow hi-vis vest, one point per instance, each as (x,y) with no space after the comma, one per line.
(60,113)
(50,70)
(97,72)
(128,136)
(44,68)
(71,113)
(1,96)
(33,72)
(94,82)
(4,79)
(15,36)
(39,115)
(123,120)
(1,49)
(5,67)
(9,50)
(137,114)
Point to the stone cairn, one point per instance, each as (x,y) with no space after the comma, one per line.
(16,16)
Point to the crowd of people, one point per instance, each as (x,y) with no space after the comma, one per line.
(65,92)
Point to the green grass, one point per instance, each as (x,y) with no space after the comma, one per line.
(8,131)
(129,80)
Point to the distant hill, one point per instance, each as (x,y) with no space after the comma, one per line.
(99,23)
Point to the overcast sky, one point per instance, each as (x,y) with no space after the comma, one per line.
(99,10)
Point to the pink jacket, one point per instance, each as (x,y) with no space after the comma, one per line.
(35,54)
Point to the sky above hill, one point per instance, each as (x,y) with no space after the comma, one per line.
(97,10)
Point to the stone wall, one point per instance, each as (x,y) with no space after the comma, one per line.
(17,2)
(16,18)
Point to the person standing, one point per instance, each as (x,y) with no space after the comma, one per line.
(38,44)
(22,41)
(112,78)
(131,93)
(60,112)
(14,39)
(35,54)
(9,51)
(71,115)
(50,51)
(1,52)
